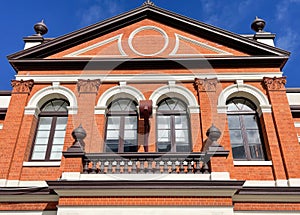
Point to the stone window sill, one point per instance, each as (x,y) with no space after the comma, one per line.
(252,163)
(41,163)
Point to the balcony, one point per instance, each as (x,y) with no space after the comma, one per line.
(146,163)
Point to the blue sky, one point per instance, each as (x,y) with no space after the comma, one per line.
(64,16)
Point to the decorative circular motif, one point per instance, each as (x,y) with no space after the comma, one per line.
(143,28)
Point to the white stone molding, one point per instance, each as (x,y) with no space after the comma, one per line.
(104,42)
(41,163)
(122,91)
(48,93)
(175,91)
(179,37)
(148,27)
(247,91)
(252,163)
(217,176)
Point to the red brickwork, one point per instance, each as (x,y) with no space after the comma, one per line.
(146,201)
(267,206)
(28,206)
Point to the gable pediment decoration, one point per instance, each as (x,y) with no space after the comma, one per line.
(97,49)
(185,46)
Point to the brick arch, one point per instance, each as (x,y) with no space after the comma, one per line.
(48,93)
(247,91)
(116,92)
(175,91)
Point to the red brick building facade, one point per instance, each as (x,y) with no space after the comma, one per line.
(150,112)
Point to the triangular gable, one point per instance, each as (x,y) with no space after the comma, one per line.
(189,29)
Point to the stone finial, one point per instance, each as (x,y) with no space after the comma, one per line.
(22,86)
(148,2)
(40,28)
(258,25)
(88,86)
(276,83)
(78,146)
(205,85)
(213,133)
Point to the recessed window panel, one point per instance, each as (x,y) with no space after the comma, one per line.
(173,133)
(245,134)
(51,130)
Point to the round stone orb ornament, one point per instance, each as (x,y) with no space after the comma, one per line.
(40,28)
(79,133)
(258,25)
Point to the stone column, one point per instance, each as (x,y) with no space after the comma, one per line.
(12,124)
(87,92)
(284,126)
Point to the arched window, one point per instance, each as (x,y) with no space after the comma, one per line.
(121,126)
(51,130)
(173,126)
(245,135)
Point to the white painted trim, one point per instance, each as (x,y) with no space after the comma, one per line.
(281,183)
(1,126)
(145,210)
(297,124)
(41,163)
(4,101)
(47,93)
(244,90)
(147,78)
(218,176)
(294,182)
(134,177)
(32,111)
(252,163)
(115,93)
(175,91)
(259,183)
(149,27)
(179,37)
(19,183)
(96,45)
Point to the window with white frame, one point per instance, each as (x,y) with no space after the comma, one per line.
(51,130)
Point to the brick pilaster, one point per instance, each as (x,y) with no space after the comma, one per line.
(12,125)
(87,91)
(286,132)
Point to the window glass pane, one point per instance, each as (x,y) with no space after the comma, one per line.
(181,122)
(130,134)
(61,123)
(130,122)
(60,134)
(41,141)
(43,134)
(130,147)
(58,141)
(55,106)
(111,147)
(238,151)
(236,136)
(112,134)
(256,151)
(163,122)
(181,136)
(163,106)
(163,136)
(40,148)
(253,136)
(45,123)
(250,122)
(234,122)
(180,106)
(56,155)
(38,155)
(113,122)
(183,148)
(164,147)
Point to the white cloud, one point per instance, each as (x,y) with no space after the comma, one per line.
(289,40)
(99,10)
